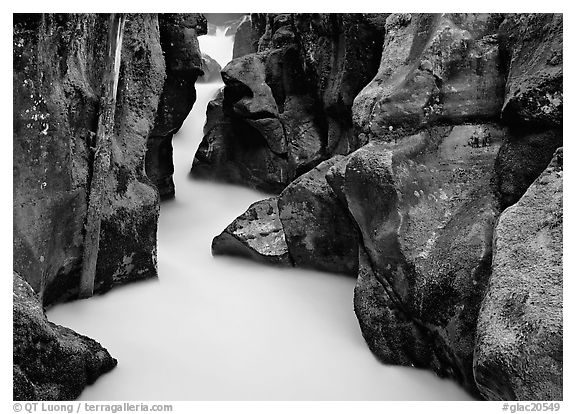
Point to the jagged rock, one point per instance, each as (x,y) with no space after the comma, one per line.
(245,39)
(289,103)
(518,353)
(533,46)
(319,232)
(256,234)
(426,210)
(50,362)
(178,37)
(434,67)
(211,70)
(58,73)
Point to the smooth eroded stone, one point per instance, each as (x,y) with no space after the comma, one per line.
(257,234)
(434,67)
(319,231)
(426,211)
(58,75)
(533,43)
(50,362)
(184,63)
(518,353)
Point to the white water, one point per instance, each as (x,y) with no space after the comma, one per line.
(229,329)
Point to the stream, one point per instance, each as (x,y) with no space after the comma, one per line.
(222,328)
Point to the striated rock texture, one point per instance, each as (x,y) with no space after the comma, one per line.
(286,108)
(58,64)
(257,234)
(184,64)
(50,362)
(463,114)
(519,345)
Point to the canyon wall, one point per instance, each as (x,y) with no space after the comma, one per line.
(286,108)
(60,67)
(405,173)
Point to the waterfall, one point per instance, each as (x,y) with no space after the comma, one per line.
(226,328)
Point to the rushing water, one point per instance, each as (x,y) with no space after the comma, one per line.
(230,329)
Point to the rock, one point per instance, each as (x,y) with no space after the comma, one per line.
(533,46)
(211,70)
(518,354)
(524,155)
(58,72)
(319,232)
(50,362)
(245,39)
(236,152)
(257,234)
(434,68)
(426,210)
(390,332)
(178,37)
(289,97)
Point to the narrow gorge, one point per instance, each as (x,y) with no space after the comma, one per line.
(288,206)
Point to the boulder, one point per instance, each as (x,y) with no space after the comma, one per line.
(319,232)
(426,210)
(211,70)
(257,234)
(533,47)
(178,37)
(245,39)
(236,152)
(434,68)
(58,73)
(524,154)
(50,362)
(518,354)
(288,103)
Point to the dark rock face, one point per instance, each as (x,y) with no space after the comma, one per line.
(245,39)
(56,105)
(286,108)
(184,63)
(211,70)
(533,45)
(464,113)
(523,156)
(319,232)
(518,352)
(51,362)
(425,209)
(434,68)
(257,234)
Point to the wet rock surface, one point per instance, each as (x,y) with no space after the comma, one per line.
(184,64)
(518,353)
(56,106)
(211,70)
(319,232)
(425,209)
(257,234)
(434,68)
(51,362)
(285,108)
